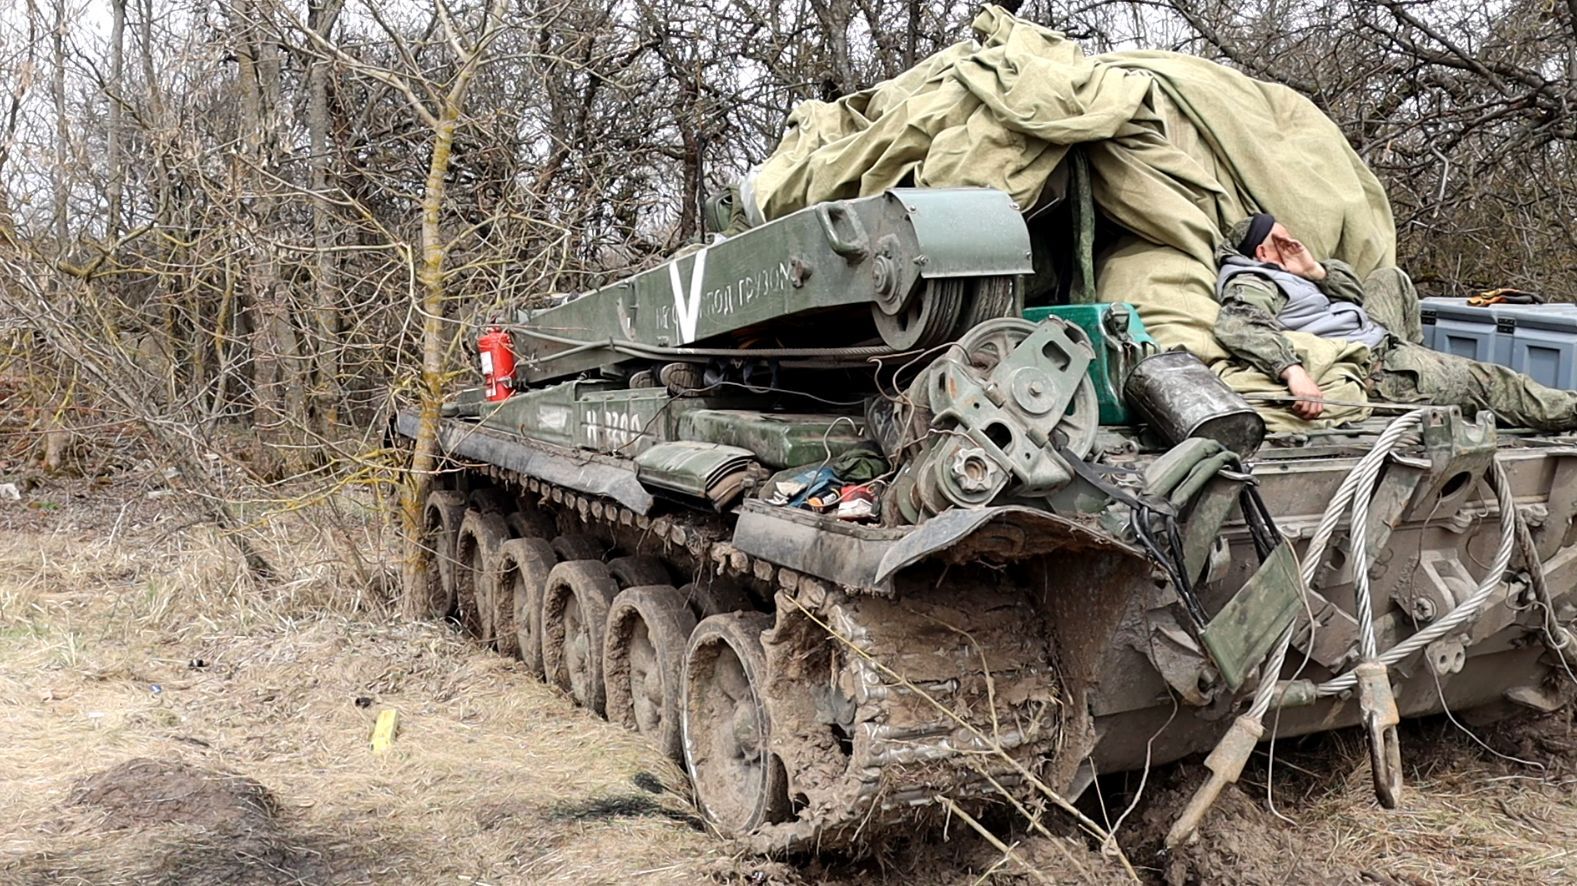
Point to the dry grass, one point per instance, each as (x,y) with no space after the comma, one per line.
(494,778)
(109,598)
(1468,815)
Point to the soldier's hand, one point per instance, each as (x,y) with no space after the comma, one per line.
(1310,401)
(1295,258)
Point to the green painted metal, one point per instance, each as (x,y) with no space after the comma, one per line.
(549,414)
(466,403)
(1241,634)
(959,227)
(600,416)
(592,414)
(623,422)
(847,254)
(1120,340)
(779,440)
(692,468)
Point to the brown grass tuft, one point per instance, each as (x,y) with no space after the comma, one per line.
(124,635)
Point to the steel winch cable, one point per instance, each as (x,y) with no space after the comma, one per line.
(1354,494)
(1358,486)
(1362,481)
(1367,467)
(641,349)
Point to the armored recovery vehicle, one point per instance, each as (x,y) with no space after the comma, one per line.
(834,516)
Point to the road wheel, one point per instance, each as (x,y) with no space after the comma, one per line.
(519,574)
(633,572)
(727,734)
(481,532)
(643,662)
(433,594)
(492,500)
(575,604)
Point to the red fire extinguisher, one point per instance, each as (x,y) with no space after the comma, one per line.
(498,363)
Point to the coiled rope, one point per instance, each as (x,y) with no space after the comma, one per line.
(1354,495)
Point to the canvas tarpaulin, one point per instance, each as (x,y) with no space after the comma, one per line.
(1179,148)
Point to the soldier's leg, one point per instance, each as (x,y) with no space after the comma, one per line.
(1415,374)
(1391,300)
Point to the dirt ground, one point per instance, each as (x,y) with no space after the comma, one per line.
(165,719)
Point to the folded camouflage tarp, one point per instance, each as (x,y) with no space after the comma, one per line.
(1179,149)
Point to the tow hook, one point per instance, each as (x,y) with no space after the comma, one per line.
(1377,704)
(1225,764)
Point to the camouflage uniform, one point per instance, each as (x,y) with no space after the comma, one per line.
(1402,370)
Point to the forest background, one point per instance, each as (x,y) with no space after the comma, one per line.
(238,234)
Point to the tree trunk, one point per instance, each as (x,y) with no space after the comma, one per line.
(279,407)
(59,177)
(56,435)
(326,388)
(13,117)
(430,275)
(112,149)
(834,17)
(911,44)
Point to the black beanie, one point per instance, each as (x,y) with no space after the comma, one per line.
(1259,225)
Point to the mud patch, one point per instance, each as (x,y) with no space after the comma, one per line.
(1467,815)
(164,821)
(648,783)
(1240,841)
(1547,740)
(963,857)
(145,792)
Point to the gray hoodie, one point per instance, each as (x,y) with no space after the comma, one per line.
(1308,308)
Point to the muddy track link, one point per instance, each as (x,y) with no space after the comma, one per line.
(912,698)
(931,698)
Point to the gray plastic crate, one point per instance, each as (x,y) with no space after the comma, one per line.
(1466,331)
(1539,340)
(1428,317)
(1544,344)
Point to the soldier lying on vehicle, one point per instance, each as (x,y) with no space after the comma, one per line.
(1269,282)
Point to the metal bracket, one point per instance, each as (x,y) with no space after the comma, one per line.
(1447,583)
(1010,414)
(853,246)
(1446,656)
(1459,453)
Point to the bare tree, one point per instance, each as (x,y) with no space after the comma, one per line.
(284,212)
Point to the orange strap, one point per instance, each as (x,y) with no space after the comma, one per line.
(1499,296)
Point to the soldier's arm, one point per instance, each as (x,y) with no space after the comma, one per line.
(1248,329)
(1340,282)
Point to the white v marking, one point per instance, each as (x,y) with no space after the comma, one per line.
(687,306)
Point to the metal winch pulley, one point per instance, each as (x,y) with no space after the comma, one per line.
(1010,402)
(927,317)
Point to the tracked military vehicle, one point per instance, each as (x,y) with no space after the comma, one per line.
(867,527)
